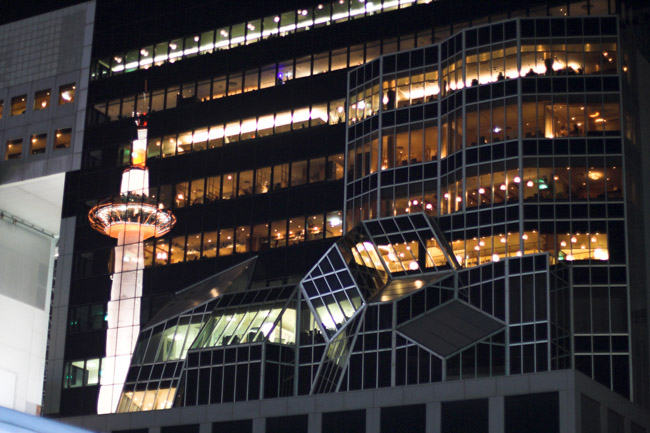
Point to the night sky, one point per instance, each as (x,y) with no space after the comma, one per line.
(12,10)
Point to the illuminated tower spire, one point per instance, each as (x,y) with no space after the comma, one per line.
(131,217)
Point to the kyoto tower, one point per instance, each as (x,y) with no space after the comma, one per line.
(130,217)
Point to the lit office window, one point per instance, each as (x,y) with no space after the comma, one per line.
(37,144)
(14,149)
(2,105)
(82,373)
(62,138)
(42,99)
(18,105)
(66,94)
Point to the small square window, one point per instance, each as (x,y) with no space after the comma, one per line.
(66,93)
(14,149)
(37,144)
(18,105)
(62,138)
(2,106)
(42,100)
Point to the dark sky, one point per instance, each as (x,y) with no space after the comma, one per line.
(13,10)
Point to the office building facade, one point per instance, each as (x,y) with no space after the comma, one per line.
(387,214)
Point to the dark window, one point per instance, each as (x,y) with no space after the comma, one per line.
(287,424)
(532,413)
(410,419)
(589,414)
(470,416)
(190,428)
(241,426)
(352,421)
(615,422)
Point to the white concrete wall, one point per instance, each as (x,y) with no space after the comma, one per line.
(25,285)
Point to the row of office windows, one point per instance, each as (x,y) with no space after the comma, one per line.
(282,24)
(241,130)
(423,85)
(38,144)
(541,116)
(533,413)
(399,90)
(41,101)
(242,239)
(479,250)
(258,181)
(420,79)
(558,193)
(275,74)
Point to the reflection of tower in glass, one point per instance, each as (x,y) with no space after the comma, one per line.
(131,217)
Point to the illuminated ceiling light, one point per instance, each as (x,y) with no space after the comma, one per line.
(497,129)
(595,175)
(304,12)
(320,7)
(415,202)
(429,206)
(530,184)
(569,257)
(477,248)
(625,68)
(524,236)
(594,115)
(519,254)
(495,257)
(276,19)
(414,266)
(66,96)
(144,52)
(196,38)
(459,199)
(600,254)
(385,100)
(481,243)
(517,179)
(481,190)
(339,109)
(503,240)
(173,46)
(502,187)
(446,195)
(362,105)
(250,26)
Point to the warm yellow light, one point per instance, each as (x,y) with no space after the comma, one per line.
(595,175)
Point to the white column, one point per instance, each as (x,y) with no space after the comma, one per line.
(123,318)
